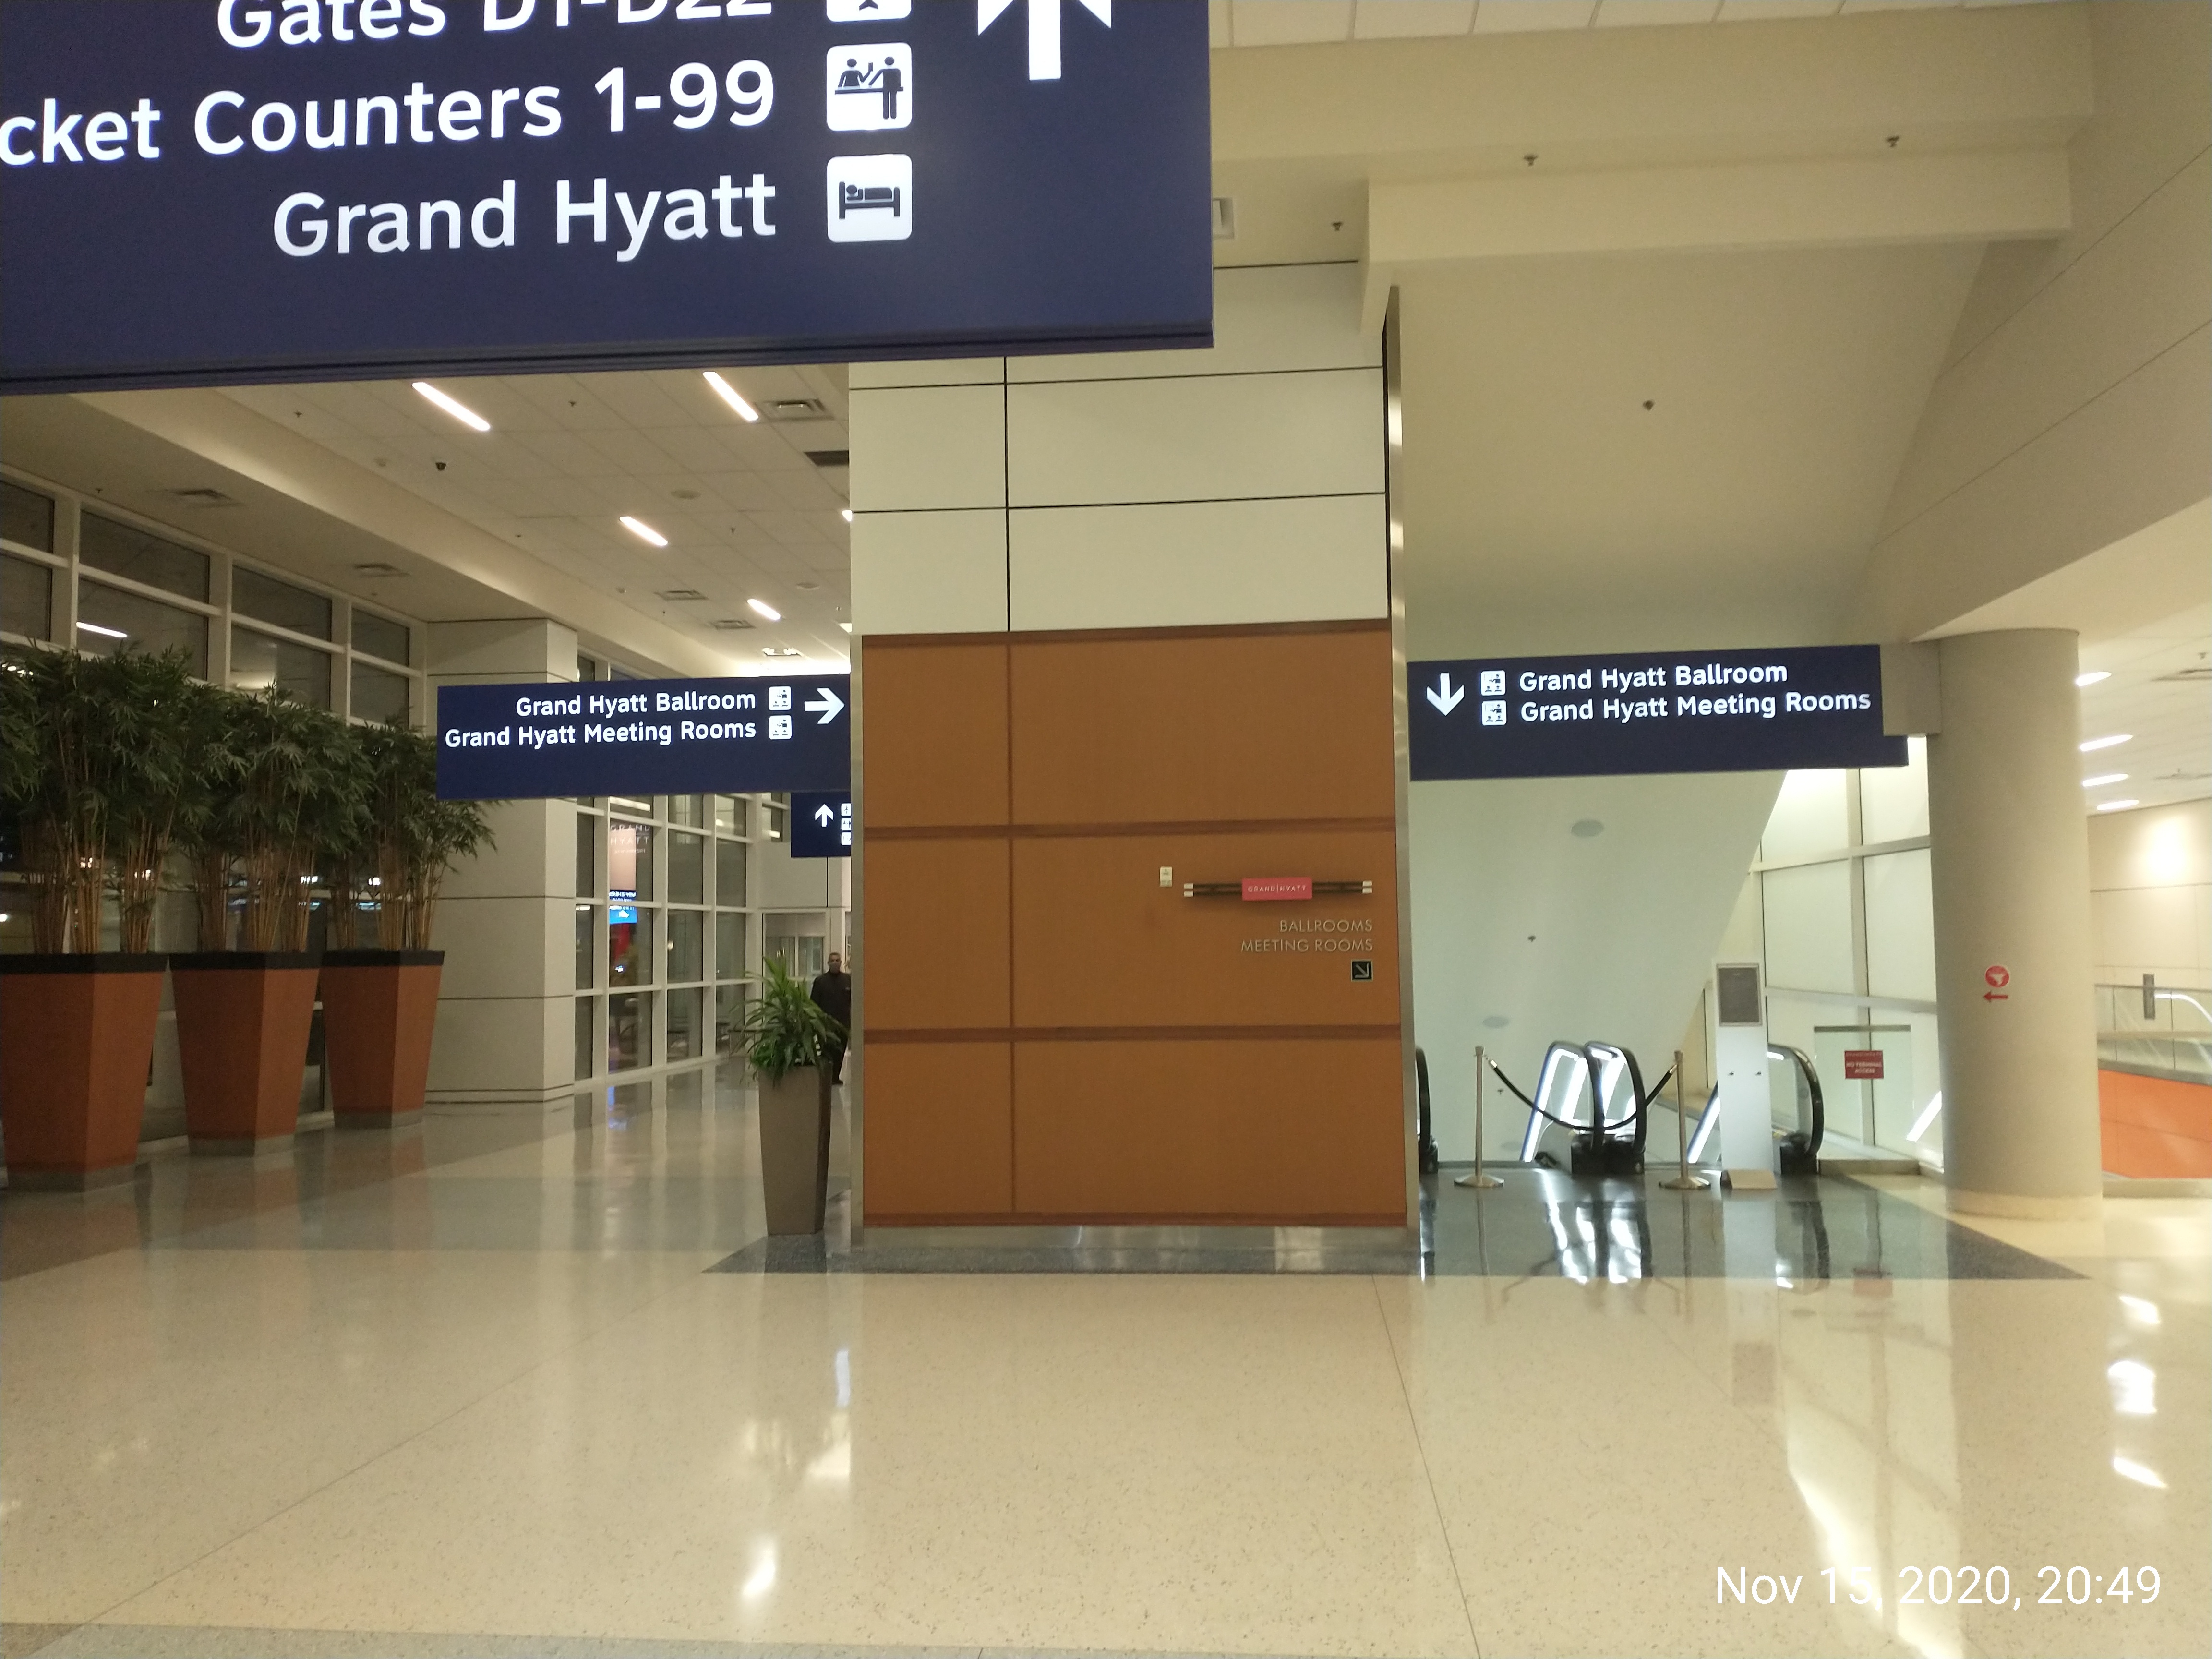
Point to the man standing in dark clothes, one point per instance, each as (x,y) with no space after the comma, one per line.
(832,992)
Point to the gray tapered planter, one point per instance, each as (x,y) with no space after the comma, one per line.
(794,1132)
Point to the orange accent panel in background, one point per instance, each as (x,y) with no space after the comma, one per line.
(933,941)
(938,1132)
(2155,1126)
(1277,1131)
(1202,727)
(933,733)
(1098,941)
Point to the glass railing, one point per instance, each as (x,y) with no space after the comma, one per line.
(2156,1030)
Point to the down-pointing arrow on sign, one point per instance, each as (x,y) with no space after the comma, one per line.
(1044,29)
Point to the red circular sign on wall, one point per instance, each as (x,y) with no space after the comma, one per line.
(1998,978)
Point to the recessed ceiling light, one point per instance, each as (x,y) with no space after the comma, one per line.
(2112,742)
(768,611)
(2093,677)
(2116,806)
(104,633)
(730,396)
(2104,778)
(645,531)
(453,406)
(848,514)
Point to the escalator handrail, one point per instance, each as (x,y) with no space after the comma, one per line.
(1811,1074)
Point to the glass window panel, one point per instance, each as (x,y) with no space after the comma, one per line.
(774,821)
(729,946)
(686,1041)
(26,597)
(629,945)
(686,940)
(27,517)
(587,939)
(688,810)
(729,1019)
(108,619)
(1900,926)
(1808,818)
(629,1032)
(266,600)
(802,954)
(381,637)
(585,1046)
(378,693)
(1808,928)
(687,869)
(588,855)
(630,860)
(587,668)
(632,805)
(729,815)
(1893,799)
(258,660)
(730,874)
(122,551)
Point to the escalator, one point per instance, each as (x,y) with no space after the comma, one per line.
(1594,1091)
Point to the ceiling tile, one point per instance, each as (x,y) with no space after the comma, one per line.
(1289,22)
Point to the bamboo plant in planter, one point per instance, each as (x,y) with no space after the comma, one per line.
(380,1002)
(243,1015)
(785,1035)
(94,769)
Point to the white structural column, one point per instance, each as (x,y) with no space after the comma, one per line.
(2010,850)
(507,919)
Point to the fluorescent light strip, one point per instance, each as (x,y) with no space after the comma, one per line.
(643,531)
(730,395)
(453,406)
(2112,742)
(768,611)
(104,633)
(2093,677)
(2117,806)
(2104,778)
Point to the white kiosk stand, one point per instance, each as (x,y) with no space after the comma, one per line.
(1747,1154)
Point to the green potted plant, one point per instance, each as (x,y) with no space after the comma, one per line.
(93,769)
(380,1000)
(244,1014)
(785,1036)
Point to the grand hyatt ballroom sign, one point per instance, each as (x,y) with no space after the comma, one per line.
(198,191)
(643,737)
(1695,711)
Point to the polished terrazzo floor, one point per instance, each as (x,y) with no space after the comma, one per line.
(479,1388)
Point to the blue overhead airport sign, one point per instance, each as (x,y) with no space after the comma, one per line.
(201,192)
(643,737)
(1651,711)
(821,825)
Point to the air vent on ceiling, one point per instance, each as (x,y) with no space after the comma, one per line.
(729,624)
(2186,676)
(377,567)
(796,409)
(830,457)
(681,594)
(204,496)
(781,651)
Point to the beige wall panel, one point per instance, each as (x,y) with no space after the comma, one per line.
(2155,846)
(1191,563)
(1280,1131)
(944,371)
(1098,942)
(1277,318)
(1101,441)
(2152,930)
(1295,725)
(494,1048)
(933,936)
(937,1135)
(507,947)
(929,572)
(928,446)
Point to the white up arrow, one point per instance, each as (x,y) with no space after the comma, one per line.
(1044,29)
(829,705)
(1440,694)
(824,816)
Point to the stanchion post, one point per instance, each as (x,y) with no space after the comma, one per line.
(1684,1182)
(1479,1179)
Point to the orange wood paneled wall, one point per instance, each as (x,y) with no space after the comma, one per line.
(1050,1034)
(2154,1125)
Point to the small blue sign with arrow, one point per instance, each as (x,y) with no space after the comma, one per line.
(822,824)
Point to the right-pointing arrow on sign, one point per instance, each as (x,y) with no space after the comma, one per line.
(1442,694)
(829,705)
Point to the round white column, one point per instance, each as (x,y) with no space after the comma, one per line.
(2009,852)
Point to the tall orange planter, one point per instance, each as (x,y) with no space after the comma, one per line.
(77,1039)
(379,1010)
(243,1019)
